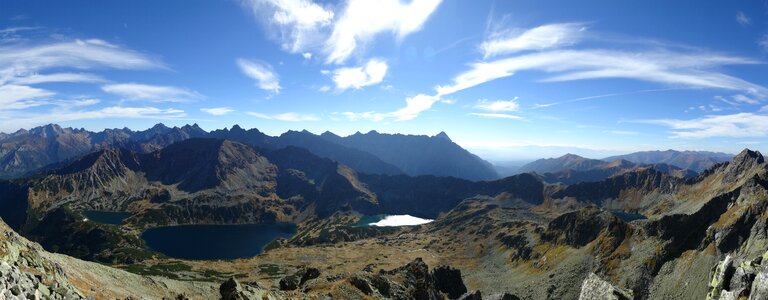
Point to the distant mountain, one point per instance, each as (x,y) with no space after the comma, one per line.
(692,160)
(47,147)
(571,169)
(565,162)
(419,154)
(28,150)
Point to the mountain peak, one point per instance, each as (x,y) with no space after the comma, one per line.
(748,155)
(159,126)
(443,135)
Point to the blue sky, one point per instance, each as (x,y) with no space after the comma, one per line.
(506,79)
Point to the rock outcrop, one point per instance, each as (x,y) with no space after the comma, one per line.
(737,278)
(595,288)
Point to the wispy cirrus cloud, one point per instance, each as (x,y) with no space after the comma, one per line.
(763,43)
(497,116)
(11,122)
(23,60)
(286,117)
(732,125)
(742,18)
(56,77)
(539,38)
(153,93)
(498,105)
(697,70)
(266,78)
(371,73)
(217,111)
(23,65)
(20,97)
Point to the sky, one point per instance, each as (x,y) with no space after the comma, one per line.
(508,80)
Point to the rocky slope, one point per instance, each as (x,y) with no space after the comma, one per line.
(29,272)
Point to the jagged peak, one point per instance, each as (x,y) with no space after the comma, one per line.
(159,126)
(443,135)
(747,154)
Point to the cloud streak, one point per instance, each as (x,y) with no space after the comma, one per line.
(286,117)
(217,111)
(734,125)
(371,73)
(266,79)
(539,38)
(153,93)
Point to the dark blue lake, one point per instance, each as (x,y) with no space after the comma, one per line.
(628,217)
(106,217)
(206,242)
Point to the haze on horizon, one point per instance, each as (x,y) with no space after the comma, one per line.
(506,80)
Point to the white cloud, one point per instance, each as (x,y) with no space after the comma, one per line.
(287,117)
(265,78)
(24,60)
(680,69)
(362,20)
(154,93)
(742,18)
(538,38)
(683,68)
(368,115)
(20,97)
(324,88)
(744,99)
(56,77)
(498,106)
(372,73)
(307,55)
(297,24)
(16,121)
(733,125)
(414,106)
(497,115)
(217,111)
(763,43)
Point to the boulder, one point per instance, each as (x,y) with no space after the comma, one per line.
(448,280)
(232,290)
(595,288)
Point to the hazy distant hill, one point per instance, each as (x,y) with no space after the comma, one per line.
(692,160)
(571,169)
(420,154)
(565,162)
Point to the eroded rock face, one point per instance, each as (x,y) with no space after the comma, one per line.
(737,278)
(595,288)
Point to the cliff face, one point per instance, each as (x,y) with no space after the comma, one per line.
(29,272)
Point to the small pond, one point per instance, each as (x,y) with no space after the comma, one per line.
(628,217)
(107,217)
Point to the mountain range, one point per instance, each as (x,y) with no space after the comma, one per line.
(569,228)
(25,151)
